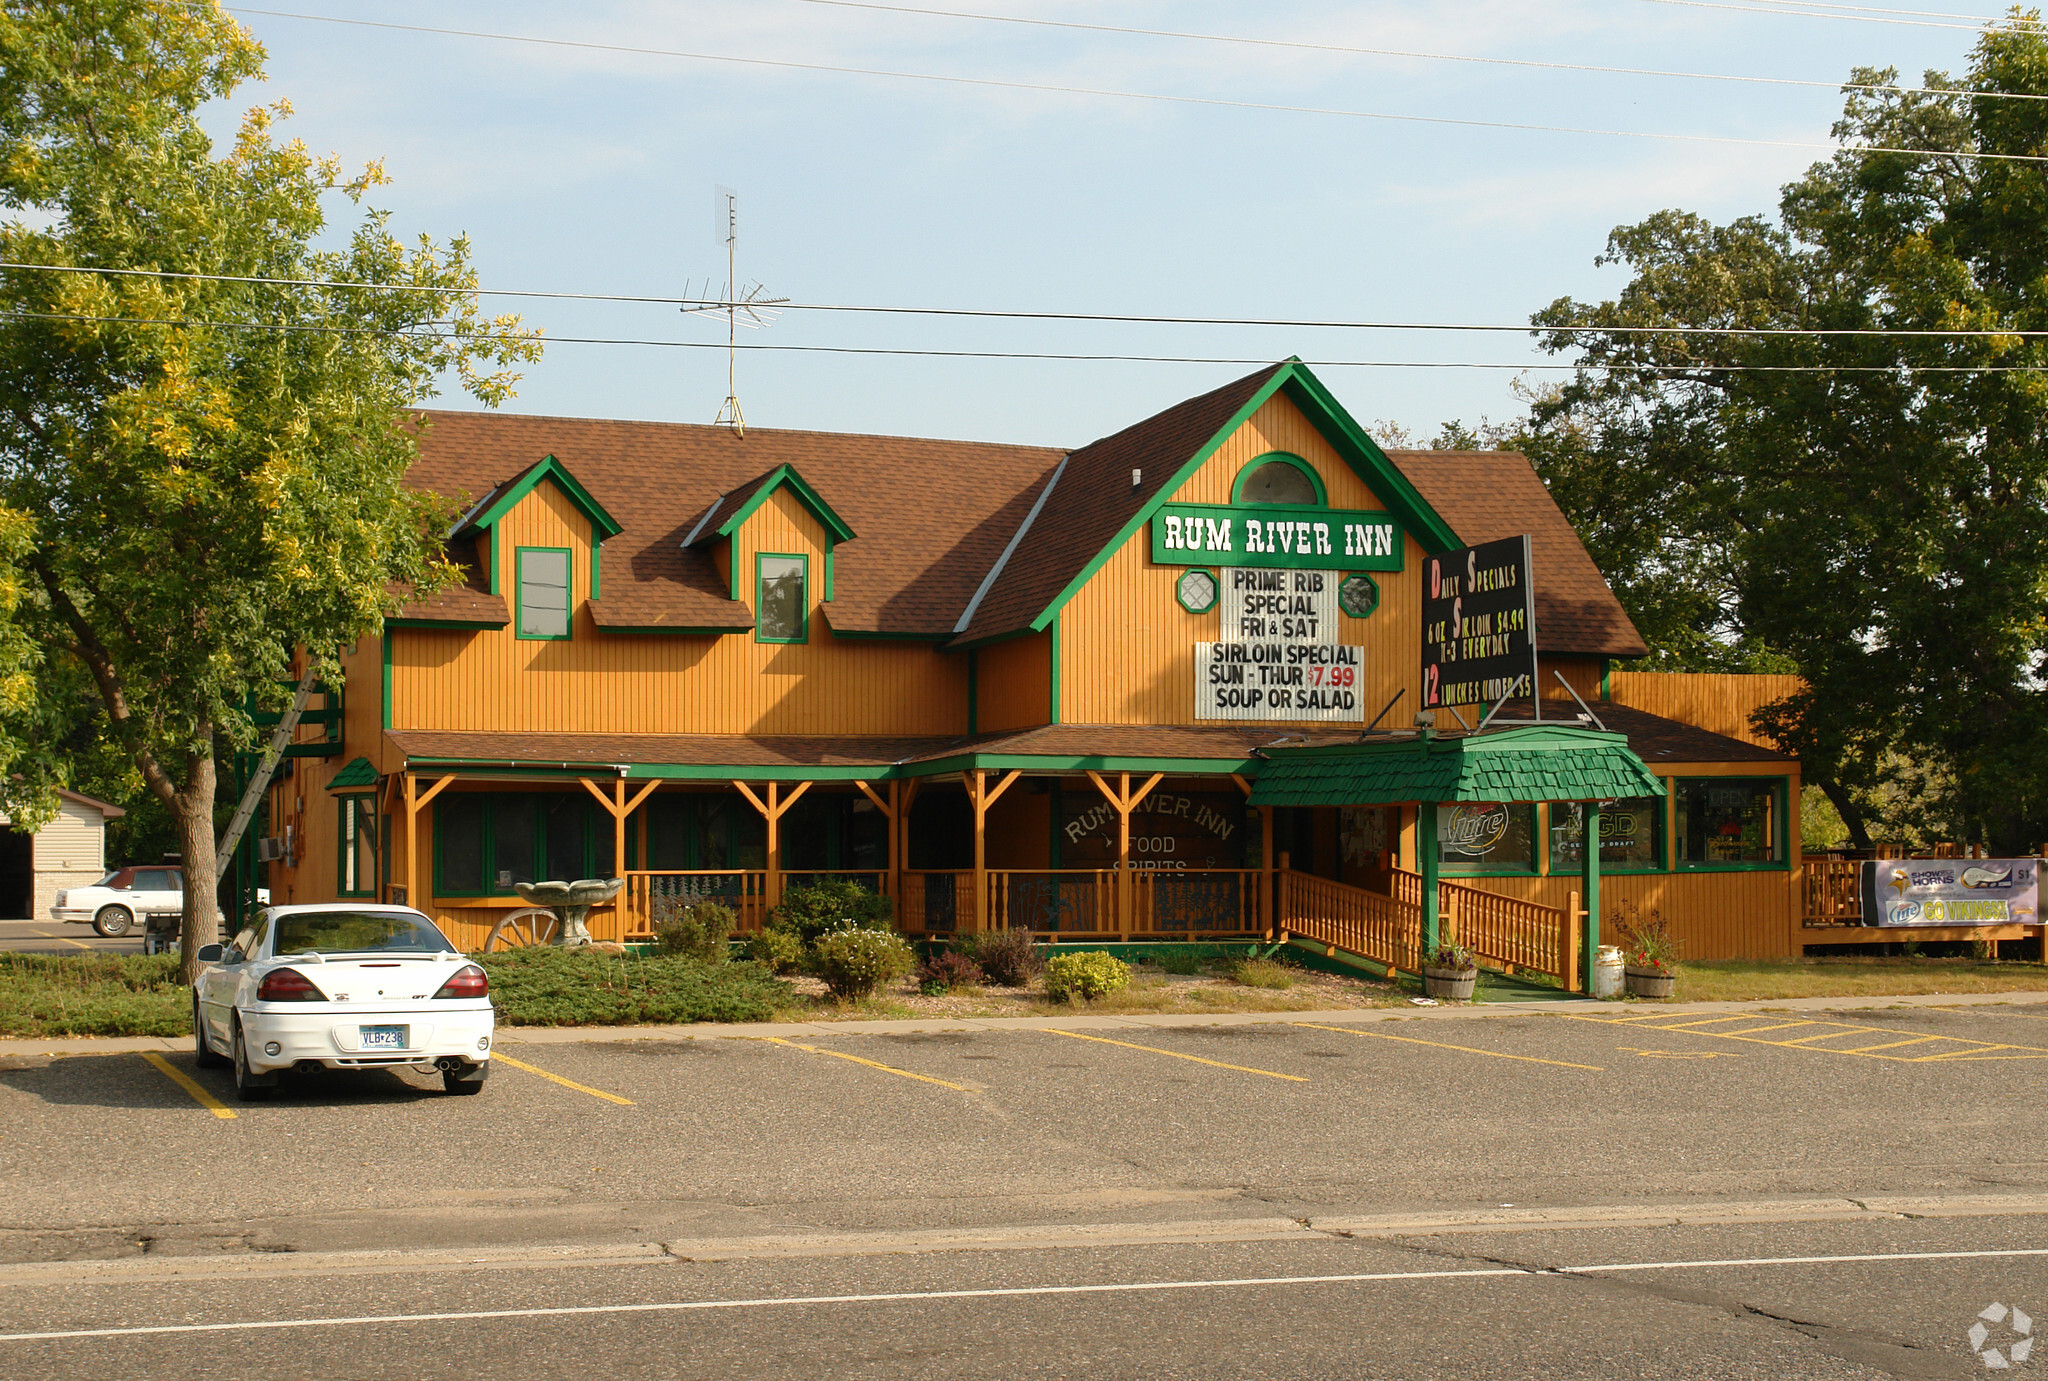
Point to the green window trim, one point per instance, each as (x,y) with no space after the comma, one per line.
(1665,847)
(568,594)
(597,569)
(803,613)
(356,815)
(1780,818)
(1285,458)
(597,854)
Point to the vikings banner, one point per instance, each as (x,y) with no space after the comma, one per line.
(1951,891)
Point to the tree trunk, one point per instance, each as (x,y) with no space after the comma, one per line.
(1851,813)
(192,809)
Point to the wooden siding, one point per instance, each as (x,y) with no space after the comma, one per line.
(666,683)
(1013,686)
(1735,915)
(1127,648)
(1719,702)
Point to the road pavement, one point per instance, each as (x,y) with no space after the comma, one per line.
(63,937)
(1611,1191)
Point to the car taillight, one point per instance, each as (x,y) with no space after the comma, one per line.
(287,985)
(467,981)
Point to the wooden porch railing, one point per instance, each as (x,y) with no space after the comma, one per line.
(1387,930)
(1196,901)
(1514,933)
(1834,891)
(744,890)
(1048,901)
(936,901)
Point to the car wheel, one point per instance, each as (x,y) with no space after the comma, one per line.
(202,1050)
(250,1087)
(467,1080)
(113,921)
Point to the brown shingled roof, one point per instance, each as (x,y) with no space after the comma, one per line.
(932,515)
(1486,495)
(609,750)
(1095,498)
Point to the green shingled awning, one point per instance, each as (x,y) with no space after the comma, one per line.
(357,774)
(1532,763)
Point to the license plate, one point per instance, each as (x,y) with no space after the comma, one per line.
(381,1037)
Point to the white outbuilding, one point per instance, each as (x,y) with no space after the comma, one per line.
(70,851)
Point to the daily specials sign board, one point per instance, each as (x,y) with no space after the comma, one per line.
(1279,658)
(1951,891)
(1275,536)
(1478,624)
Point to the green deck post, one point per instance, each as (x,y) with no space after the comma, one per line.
(1591,844)
(1427,849)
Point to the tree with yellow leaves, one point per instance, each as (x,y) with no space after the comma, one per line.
(203,417)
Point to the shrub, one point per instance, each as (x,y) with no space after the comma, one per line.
(781,950)
(1090,975)
(812,909)
(855,960)
(544,986)
(693,930)
(1262,973)
(1183,960)
(1007,957)
(947,969)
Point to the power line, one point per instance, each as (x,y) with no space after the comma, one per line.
(1084,357)
(1349,49)
(1110,93)
(998,314)
(1974,24)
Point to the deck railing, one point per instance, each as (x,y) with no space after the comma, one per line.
(744,890)
(1511,932)
(1196,901)
(936,901)
(1834,891)
(1386,929)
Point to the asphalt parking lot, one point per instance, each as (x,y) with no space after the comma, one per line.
(63,937)
(1122,1151)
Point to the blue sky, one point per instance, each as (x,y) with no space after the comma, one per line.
(590,171)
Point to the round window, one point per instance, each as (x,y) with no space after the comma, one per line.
(1278,481)
(1358,596)
(1196,590)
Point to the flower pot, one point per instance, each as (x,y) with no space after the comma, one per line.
(1449,985)
(1650,982)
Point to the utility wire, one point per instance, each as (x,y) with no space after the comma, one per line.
(1115,318)
(1098,357)
(1111,93)
(1974,23)
(1348,49)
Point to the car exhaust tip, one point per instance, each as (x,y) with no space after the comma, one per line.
(448,1064)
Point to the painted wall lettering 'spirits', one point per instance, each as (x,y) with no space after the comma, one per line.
(1026,687)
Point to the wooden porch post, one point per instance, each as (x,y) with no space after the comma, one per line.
(620,809)
(772,810)
(413,801)
(1265,909)
(891,884)
(1124,801)
(981,796)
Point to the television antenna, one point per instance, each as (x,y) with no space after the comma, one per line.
(750,307)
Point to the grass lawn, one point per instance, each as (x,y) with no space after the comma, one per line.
(1737,980)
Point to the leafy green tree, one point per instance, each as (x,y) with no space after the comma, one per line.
(204,439)
(1868,510)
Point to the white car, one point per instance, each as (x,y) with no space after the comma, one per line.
(123,897)
(341,986)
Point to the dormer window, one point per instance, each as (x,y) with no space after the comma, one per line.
(543,592)
(781,603)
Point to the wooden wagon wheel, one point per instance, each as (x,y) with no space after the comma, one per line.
(536,925)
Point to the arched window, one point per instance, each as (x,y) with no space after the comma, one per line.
(1277,477)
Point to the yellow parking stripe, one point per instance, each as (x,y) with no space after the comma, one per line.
(1469,1050)
(1716,1021)
(871,1064)
(1155,1050)
(503,1058)
(185,1082)
(1967,1048)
